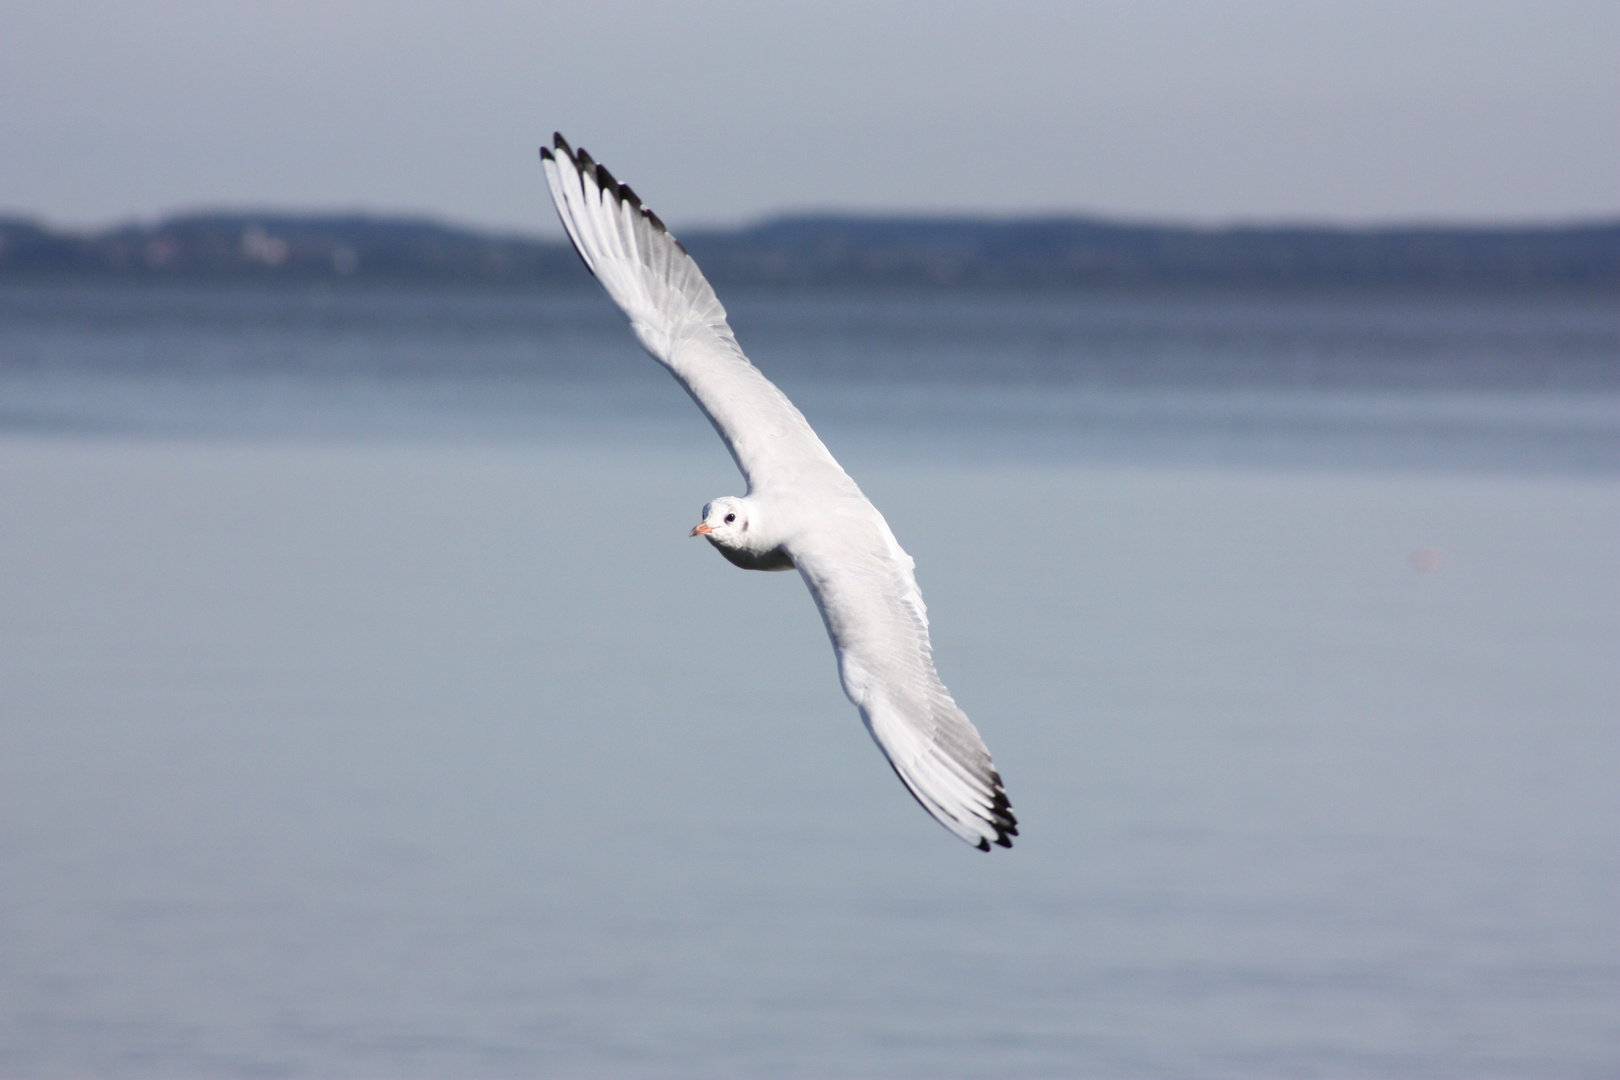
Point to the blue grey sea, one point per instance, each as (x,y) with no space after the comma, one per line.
(366,711)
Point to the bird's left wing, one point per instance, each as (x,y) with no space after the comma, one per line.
(677,318)
(862,581)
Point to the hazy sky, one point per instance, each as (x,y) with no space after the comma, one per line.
(718,112)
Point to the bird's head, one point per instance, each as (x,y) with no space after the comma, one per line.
(725,522)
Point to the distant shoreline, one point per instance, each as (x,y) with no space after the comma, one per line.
(831,251)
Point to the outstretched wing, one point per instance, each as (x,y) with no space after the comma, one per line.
(677,318)
(862,581)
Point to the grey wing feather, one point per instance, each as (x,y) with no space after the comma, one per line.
(679,320)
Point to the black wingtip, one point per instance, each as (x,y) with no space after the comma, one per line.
(1005,823)
(619,191)
(598,173)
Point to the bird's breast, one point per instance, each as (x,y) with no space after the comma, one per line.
(774,559)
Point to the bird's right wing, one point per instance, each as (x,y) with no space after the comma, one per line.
(677,318)
(862,581)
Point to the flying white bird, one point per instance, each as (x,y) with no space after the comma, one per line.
(802,511)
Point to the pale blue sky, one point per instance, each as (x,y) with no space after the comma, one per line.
(717,112)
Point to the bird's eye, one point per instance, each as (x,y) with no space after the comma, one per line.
(730,518)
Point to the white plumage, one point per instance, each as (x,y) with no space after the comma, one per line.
(802,510)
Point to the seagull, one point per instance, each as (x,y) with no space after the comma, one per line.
(802,511)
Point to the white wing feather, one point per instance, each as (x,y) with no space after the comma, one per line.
(862,581)
(860,578)
(679,320)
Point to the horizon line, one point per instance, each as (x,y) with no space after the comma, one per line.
(917,216)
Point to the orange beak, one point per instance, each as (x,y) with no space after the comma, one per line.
(702,529)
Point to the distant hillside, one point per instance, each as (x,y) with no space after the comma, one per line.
(1069,252)
(280,247)
(839,251)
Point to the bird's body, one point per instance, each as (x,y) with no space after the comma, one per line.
(802,511)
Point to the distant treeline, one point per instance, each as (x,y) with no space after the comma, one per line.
(839,251)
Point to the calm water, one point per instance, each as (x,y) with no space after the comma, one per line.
(366,712)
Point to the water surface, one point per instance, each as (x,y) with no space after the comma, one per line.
(366,712)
